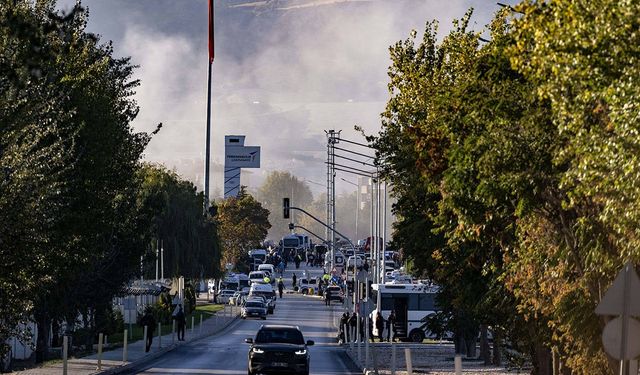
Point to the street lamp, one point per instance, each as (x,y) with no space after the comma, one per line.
(357,202)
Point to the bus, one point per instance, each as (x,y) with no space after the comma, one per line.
(290,245)
(412,304)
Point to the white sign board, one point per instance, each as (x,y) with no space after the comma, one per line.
(242,157)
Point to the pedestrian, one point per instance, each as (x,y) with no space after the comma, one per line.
(371,336)
(327,297)
(294,278)
(344,329)
(363,334)
(353,321)
(181,322)
(390,326)
(280,286)
(380,325)
(150,322)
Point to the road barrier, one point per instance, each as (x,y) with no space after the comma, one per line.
(407,356)
(458,364)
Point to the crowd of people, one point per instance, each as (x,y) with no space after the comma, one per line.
(384,327)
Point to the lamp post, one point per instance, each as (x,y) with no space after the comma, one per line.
(357,202)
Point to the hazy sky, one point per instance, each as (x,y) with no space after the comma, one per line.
(285,71)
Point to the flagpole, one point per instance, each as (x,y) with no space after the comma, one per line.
(208,144)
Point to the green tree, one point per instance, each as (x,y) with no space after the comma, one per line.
(584,58)
(482,143)
(190,240)
(243,224)
(69,160)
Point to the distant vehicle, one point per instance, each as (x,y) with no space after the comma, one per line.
(243,281)
(237,298)
(269,268)
(278,349)
(308,286)
(224,295)
(230,282)
(412,304)
(265,290)
(259,254)
(254,309)
(336,293)
(257,277)
(257,257)
(389,265)
(290,245)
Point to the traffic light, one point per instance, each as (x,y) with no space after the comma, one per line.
(291,226)
(350,286)
(285,207)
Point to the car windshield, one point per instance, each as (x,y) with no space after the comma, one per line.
(254,304)
(284,336)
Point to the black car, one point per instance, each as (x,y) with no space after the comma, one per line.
(278,349)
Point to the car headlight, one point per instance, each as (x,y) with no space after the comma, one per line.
(258,350)
(301,352)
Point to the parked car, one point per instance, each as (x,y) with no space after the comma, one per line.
(278,349)
(224,295)
(254,309)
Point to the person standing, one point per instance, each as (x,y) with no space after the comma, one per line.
(327,297)
(150,322)
(344,327)
(380,325)
(280,287)
(390,326)
(294,278)
(181,322)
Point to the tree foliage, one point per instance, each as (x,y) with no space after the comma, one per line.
(243,225)
(190,240)
(524,204)
(77,209)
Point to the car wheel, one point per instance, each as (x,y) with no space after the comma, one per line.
(264,318)
(416,335)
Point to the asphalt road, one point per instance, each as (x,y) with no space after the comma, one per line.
(226,353)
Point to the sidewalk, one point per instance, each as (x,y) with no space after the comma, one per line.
(112,361)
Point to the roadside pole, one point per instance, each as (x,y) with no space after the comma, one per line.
(100,336)
(124,347)
(65,353)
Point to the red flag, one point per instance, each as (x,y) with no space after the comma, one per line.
(211,45)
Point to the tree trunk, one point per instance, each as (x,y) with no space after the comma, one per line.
(471,348)
(485,350)
(544,363)
(42,343)
(497,355)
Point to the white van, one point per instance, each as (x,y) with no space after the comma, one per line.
(257,277)
(265,290)
(269,268)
